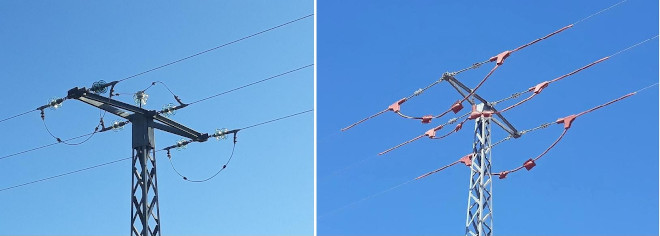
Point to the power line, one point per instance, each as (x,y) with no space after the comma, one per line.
(65,174)
(14,116)
(215,48)
(45,146)
(90,134)
(250,84)
(210,177)
(599,12)
(128,158)
(186,58)
(273,120)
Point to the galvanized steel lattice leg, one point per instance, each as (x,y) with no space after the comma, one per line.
(479,214)
(145,215)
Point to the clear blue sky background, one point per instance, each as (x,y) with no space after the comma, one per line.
(48,48)
(602,179)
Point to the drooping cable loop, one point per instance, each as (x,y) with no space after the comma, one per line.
(103,164)
(54,104)
(567,121)
(531,162)
(223,167)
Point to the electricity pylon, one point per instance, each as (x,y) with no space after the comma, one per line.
(479,220)
(145,214)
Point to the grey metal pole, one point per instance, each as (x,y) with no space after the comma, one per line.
(479,215)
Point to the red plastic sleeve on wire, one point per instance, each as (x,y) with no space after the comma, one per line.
(578,70)
(544,37)
(606,104)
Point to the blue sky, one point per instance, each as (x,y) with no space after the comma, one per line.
(49,48)
(601,179)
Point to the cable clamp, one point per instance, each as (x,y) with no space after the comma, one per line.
(431,133)
(503,174)
(457,106)
(396,107)
(539,87)
(567,121)
(467,159)
(499,59)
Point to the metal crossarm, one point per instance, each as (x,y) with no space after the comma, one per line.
(464,91)
(145,213)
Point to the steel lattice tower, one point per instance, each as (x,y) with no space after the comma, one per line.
(479,213)
(144,190)
(479,220)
